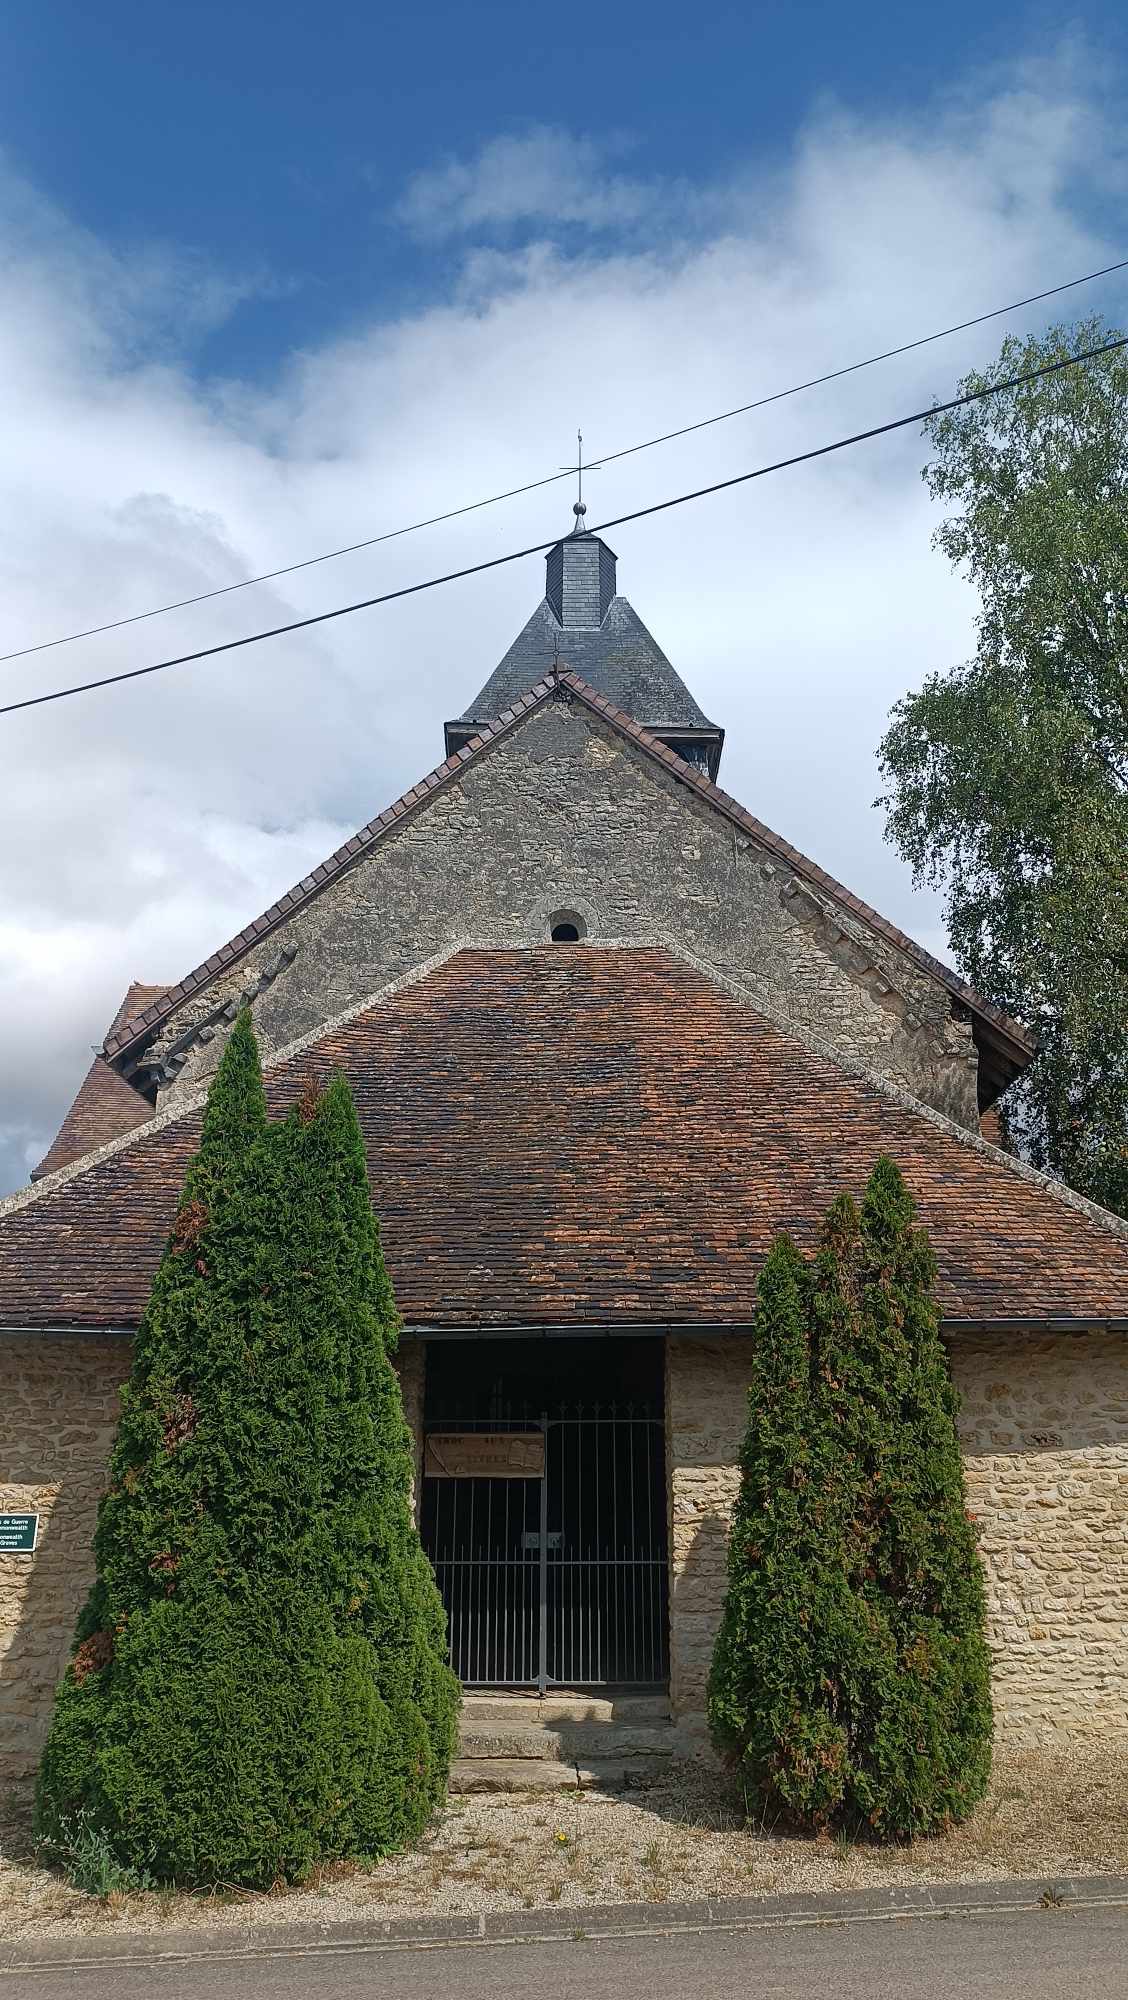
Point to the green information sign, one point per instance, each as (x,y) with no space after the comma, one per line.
(18,1534)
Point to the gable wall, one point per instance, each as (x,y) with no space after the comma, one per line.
(564,814)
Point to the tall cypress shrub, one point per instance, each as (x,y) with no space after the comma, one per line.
(850,1680)
(258,1679)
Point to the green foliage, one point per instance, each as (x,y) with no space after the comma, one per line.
(89,1863)
(259,1677)
(1008,777)
(850,1679)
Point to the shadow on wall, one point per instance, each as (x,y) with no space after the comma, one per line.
(710,1796)
(697,1589)
(57,1423)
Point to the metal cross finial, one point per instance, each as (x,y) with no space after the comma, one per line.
(579,510)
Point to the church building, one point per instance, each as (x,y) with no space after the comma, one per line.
(607,1035)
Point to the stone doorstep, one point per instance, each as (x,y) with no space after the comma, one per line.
(564,1705)
(529,1774)
(563,1742)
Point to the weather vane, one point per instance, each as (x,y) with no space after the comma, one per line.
(579,509)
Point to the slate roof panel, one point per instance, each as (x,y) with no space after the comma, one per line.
(620,659)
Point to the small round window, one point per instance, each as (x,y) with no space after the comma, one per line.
(567,928)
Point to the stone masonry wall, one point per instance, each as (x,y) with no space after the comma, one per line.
(563,814)
(57,1417)
(1044,1423)
(1044,1426)
(706,1414)
(58,1413)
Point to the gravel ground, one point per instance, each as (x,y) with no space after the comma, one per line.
(1046,1814)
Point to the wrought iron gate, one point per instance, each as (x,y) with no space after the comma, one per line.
(557,1578)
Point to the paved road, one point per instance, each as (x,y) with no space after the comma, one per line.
(1036,1955)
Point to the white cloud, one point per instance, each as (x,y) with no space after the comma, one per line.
(546,174)
(142,826)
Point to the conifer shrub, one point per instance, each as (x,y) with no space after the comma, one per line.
(259,1680)
(851,1680)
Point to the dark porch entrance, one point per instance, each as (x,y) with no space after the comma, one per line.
(543,1510)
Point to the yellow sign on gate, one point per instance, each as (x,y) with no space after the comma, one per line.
(484,1455)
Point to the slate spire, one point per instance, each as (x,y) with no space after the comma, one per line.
(584,624)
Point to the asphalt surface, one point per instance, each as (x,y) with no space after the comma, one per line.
(1028,1955)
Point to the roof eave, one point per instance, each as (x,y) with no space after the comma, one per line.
(1003,1056)
(608,1326)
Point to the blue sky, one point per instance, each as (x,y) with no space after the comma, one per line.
(276,139)
(278,278)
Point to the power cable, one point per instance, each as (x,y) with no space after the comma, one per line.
(539,548)
(551,479)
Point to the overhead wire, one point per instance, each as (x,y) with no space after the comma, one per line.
(552,478)
(539,548)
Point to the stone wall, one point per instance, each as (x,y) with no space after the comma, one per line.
(1044,1423)
(1044,1426)
(58,1411)
(563,814)
(706,1413)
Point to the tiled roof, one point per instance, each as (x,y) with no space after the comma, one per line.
(584,1134)
(105,1106)
(1017,1044)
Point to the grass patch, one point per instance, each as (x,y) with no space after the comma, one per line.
(84,1855)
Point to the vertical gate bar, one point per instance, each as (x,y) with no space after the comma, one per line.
(582,1552)
(473,1622)
(455,1579)
(448,1600)
(632,1582)
(483,1575)
(507,1595)
(458,1512)
(452,1574)
(652,1662)
(494,1569)
(458,1662)
(528,1493)
(458,1520)
(663,1571)
(570,1554)
(542,1664)
(595,1621)
(552,1574)
(614,1647)
(642,1579)
(634,1435)
(443,1500)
